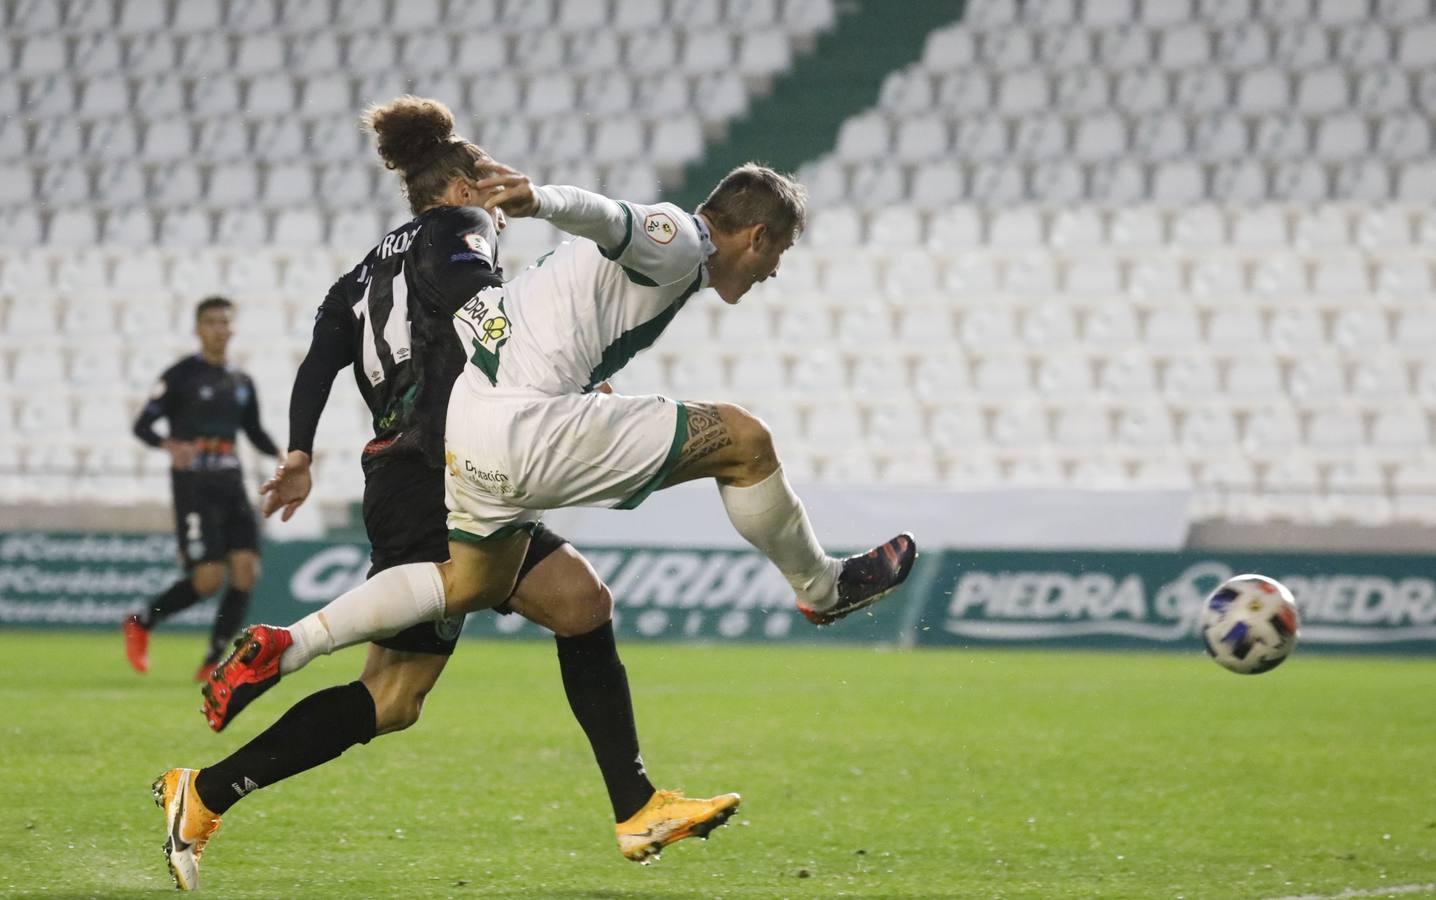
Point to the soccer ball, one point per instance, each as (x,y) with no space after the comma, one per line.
(1249,624)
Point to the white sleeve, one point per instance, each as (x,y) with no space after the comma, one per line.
(659,242)
(581,213)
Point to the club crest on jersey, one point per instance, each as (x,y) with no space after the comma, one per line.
(476,243)
(449,629)
(660,228)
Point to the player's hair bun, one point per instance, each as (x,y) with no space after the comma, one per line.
(411,131)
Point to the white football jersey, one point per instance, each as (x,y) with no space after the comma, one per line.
(579,313)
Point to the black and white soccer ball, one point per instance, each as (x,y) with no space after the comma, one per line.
(1250,624)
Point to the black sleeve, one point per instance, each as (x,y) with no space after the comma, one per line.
(254,429)
(331,349)
(456,256)
(155,409)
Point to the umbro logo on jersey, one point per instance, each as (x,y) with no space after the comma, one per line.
(660,227)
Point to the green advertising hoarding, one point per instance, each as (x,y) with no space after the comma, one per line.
(1153,600)
(954,598)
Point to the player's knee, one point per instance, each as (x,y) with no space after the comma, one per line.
(207,579)
(244,575)
(758,458)
(584,611)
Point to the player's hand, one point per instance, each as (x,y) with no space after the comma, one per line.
(288,487)
(182,453)
(603,387)
(509,190)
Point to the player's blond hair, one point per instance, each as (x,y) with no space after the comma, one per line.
(415,137)
(754,194)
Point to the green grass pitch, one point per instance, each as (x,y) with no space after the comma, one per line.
(871,773)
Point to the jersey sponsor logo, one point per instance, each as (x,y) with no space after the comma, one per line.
(476,243)
(488,329)
(660,228)
(492,481)
(496,328)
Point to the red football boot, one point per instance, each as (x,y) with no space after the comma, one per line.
(251,668)
(137,644)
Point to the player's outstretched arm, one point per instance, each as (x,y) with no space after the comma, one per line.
(574,210)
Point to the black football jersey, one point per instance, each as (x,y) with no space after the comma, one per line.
(398,305)
(206,403)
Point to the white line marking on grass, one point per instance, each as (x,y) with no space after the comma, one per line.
(1391,891)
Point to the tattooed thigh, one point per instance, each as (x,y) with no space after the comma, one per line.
(706,434)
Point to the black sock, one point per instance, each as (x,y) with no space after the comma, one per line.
(597,688)
(313,731)
(180,596)
(227,622)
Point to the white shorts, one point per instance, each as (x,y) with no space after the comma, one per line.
(511,455)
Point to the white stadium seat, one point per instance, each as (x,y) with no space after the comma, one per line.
(1175,227)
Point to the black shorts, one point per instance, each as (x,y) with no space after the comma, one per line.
(213,516)
(405,516)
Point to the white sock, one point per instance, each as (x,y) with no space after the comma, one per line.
(381,607)
(770,517)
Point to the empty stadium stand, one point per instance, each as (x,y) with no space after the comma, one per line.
(1118,245)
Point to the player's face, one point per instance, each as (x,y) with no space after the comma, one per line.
(215,327)
(760,261)
(767,253)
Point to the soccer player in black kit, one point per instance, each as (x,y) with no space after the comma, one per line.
(206,402)
(390,318)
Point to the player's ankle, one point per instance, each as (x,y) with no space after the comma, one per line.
(820,591)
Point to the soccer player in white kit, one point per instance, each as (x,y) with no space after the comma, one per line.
(527,431)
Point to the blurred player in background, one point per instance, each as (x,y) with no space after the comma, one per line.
(206,402)
(391,320)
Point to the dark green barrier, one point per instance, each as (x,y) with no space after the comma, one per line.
(954,598)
